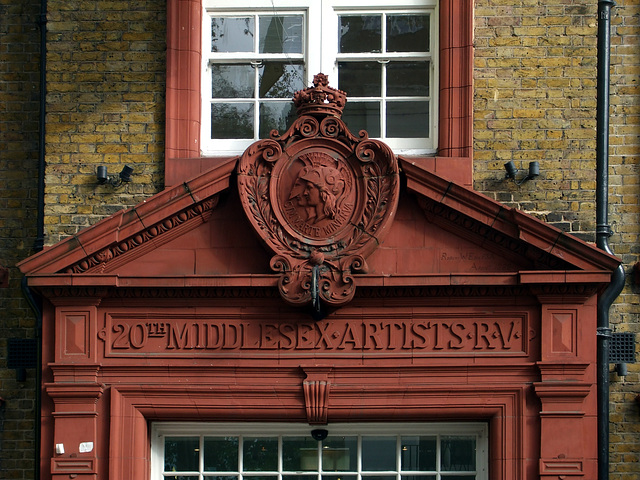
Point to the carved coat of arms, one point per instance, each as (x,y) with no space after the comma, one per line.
(320,197)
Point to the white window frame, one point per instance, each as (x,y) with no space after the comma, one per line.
(317,58)
(160,430)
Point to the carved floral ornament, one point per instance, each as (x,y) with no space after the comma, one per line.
(320,197)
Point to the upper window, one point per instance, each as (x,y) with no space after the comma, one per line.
(257,53)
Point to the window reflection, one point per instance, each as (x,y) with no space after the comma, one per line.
(407,119)
(260,454)
(360,33)
(281,34)
(339,453)
(379,454)
(220,454)
(458,454)
(232,34)
(232,81)
(181,454)
(418,453)
(280,79)
(232,120)
(407,33)
(299,453)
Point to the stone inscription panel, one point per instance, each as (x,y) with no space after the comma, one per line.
(125,336)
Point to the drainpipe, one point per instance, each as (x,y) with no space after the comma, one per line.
(37,311)
(42,23)
(39,241)
(603,232)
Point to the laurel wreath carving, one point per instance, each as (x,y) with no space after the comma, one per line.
(336,262)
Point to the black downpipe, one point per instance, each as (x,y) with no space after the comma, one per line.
(603,232)
(37,311)
(42,22)
(39,241)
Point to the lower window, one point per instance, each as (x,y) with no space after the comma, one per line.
(224,451)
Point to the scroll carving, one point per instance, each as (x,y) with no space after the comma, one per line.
(320,197)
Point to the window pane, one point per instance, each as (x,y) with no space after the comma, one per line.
(339,477)
(232,120)
(408,78)
(276,115)
(363,116)
(260,454)
(418,453)
(280,80)
(299,454)
(408,119)
(458,454)
(419,477)
(232,34)
(339,454)
(360,79)
(378,453)
(221,454)
(232,81)
(181,454)
(360,33)
(212,477)
(281,34)
(407,33)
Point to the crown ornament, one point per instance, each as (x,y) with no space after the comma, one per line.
(321,99)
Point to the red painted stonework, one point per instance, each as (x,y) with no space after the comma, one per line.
(469,311)
(320,197)
(180,308)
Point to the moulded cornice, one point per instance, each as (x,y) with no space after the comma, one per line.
(548,287)
(74,392)
(559,390)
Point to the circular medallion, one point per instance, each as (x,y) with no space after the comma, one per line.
(316,196)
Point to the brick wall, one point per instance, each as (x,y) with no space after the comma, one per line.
(625,218)
(105,106)
(535,98)
(19,113)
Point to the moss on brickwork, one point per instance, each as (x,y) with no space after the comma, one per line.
(534,99)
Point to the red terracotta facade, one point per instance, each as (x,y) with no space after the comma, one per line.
(440,304)
(169,311)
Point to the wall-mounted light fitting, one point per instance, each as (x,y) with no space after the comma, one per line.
(512,172)
(123,177)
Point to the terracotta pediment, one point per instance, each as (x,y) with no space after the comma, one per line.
(199,229)
(313,214)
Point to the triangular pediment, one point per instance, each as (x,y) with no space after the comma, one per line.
(197,233)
